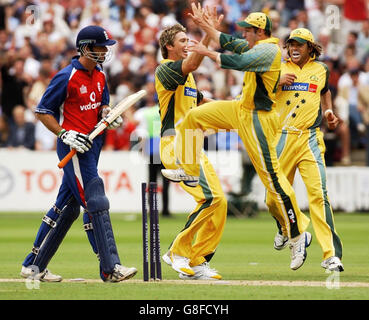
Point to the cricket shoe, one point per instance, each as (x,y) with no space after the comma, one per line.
(280,241)
(178,175)
(181,264)
(166,258)
(332,264)
(298,247)
(202,272)
(31,272)
(120,273)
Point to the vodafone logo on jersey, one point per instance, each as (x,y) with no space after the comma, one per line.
(92,104)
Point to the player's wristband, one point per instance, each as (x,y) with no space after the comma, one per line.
(328,111)
(61,132)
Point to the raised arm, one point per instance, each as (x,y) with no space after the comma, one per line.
(257,59)
(204,19)
(194,60)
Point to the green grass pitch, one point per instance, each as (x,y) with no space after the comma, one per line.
(245,254)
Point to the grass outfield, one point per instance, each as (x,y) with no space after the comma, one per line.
(250,267)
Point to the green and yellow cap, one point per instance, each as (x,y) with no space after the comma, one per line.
(301,35)
(258,20)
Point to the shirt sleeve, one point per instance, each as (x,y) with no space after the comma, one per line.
(257,59)
(200,97)
(233,44)
(105,95)
(326,84)
(54,95)
(170,75)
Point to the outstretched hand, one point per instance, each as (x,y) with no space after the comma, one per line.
(205,18)
(212,18)
(198,47)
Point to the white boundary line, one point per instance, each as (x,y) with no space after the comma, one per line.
(255,283)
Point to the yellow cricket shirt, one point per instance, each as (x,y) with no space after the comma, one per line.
(262,65)
(299,104)
(177,93)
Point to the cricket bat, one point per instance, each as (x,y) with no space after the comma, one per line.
(122,106)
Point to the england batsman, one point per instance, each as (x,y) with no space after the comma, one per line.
(303,100)
(73,103)
(253,115)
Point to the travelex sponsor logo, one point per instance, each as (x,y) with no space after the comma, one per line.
(90,106)
(190,92)
(300,86)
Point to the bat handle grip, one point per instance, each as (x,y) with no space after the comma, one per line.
(66,159)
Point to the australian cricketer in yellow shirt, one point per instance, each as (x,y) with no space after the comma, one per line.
(302,93)
(253,115)
(195,245)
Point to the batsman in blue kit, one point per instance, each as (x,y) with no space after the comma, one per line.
(74,102)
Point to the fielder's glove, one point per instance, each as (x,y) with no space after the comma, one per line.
(116,123)
(79,141)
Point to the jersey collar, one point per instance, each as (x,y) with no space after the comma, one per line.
(76,64)
(268,40)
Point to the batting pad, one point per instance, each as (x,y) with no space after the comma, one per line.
(98,207)
(56,234)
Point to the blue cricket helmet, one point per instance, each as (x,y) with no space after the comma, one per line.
(94,36)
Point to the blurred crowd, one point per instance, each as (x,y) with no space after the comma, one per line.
(37,39)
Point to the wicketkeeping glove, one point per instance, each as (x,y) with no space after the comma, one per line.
(79,141)
(116,123)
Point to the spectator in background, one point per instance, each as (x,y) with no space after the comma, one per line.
(44,141)
(39,86)
(237,8)
(316,17)
(22,133)
(278,30)
(290,10)
(363,42)
(356,95)
(15,83)
(36,40)
(331,50)
(120,138)
(5,42)
(354,13)
(4,131)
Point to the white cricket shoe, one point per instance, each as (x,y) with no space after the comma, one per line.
(44,276)
(202,272)
(181,264)
(280,241)
(121,273)
(166,258)
(332,264)
(298,247)
(178,175)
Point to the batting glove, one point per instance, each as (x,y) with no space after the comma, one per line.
(76,140)
(116,123)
